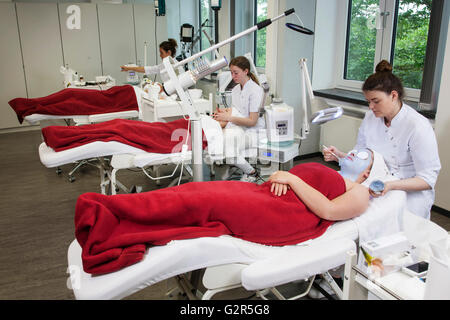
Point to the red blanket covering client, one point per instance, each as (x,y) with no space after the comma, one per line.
(114,231)
(72,101)
(157,137)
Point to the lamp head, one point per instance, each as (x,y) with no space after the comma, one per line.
(326,115)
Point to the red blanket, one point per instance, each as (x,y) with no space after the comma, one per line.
(114,231)
(157,137)
(72,101)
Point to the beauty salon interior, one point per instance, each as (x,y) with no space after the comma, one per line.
(225,150)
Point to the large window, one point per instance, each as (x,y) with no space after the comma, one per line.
(410,41)
(260,38)
(394,30)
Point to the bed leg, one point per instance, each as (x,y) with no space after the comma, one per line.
(186,287)
(115,184)
(77,166)
(113,181)
(104,182)
(157,171)
(329,279)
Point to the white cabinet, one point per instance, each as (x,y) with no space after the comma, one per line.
(41,47)
(81,47)
(12,78)
(117,39)
(36,42)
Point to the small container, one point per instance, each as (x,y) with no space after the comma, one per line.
(377,186)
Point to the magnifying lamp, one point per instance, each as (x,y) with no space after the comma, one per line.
(299,28)
(326,115)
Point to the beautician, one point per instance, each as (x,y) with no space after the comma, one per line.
(243,122)
(404,138)
(166,49)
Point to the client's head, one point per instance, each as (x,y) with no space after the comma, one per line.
(356,165)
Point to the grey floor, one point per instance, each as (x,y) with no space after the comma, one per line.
(36,221)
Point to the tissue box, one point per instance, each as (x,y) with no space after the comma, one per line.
(385,246)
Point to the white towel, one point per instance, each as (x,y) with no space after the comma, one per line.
(139,92)
(379,170)
(213,133)
(389,208)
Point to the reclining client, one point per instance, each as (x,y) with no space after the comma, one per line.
(115,231)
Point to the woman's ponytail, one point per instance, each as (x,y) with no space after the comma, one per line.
(170,44)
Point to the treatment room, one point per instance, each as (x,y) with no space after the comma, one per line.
(244,150)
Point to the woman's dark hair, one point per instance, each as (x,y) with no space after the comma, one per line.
(170,44)
(242,63)
(384,80)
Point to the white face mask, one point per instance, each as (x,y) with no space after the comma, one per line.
(355,162)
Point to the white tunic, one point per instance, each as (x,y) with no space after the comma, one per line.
(248,99)
(409,149)
(157,70)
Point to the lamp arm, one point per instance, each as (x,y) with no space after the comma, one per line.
(305,124)
(306,78)
(256,27)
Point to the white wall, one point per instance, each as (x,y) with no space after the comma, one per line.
(36,42)
(325,27)
(224,28)
(291,47)
(12,76)
(442,131)
(179,12)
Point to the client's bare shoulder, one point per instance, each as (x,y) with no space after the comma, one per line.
(351,203)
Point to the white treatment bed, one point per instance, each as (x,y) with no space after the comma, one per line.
(38,118)
(127,157)
(232,262)
(83,119)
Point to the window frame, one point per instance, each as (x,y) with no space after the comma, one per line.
(384,44)
(255,18)
(211,21)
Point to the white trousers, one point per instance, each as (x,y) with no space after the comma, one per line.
(236,141)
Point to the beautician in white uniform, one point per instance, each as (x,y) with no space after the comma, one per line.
(404,138)
(242,122)
(166,49)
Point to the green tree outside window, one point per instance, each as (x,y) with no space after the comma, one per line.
(260,50)
(410,40)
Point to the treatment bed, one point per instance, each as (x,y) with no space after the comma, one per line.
(90,111)
(231,262)
(126,157)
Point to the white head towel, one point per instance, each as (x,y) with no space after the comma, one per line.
(379,170)
(384,214)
